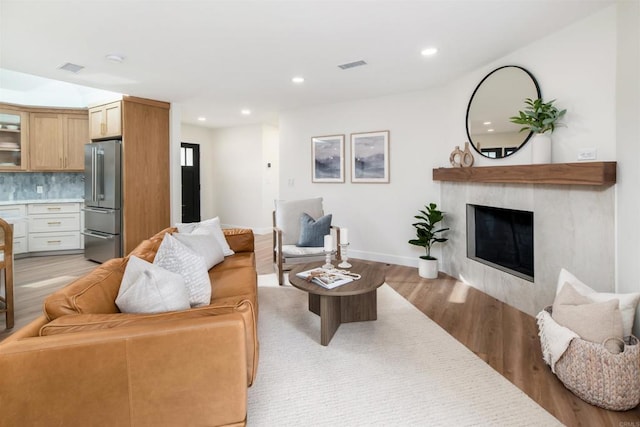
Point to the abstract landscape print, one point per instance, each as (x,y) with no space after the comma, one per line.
(327,158)
(370,157)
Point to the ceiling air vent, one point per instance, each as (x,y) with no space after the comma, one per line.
(352,65)
(74,68)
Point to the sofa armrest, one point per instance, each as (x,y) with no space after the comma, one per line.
(239,239)
(189,372)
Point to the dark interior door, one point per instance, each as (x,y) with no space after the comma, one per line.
(190,162)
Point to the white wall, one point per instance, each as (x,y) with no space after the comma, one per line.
(628,146)
(378,216)
(575,65)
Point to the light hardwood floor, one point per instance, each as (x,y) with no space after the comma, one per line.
(502,336)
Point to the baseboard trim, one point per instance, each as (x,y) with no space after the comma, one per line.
(385,258)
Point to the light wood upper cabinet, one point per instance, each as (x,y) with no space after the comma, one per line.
(106,121)
(77,135)
(46,151)
(14,137)
(57,141)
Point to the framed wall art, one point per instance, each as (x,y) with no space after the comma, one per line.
(327,162)
(370,157)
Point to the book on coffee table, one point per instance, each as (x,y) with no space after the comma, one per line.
(328,279)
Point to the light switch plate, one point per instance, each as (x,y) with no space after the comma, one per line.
(39,189)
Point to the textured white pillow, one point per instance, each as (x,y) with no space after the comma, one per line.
(147,288)
(205,245)
(176,257)
(209,226)
(628,302)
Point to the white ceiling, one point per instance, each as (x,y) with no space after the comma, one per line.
(215,58)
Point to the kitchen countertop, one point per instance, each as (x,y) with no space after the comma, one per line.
(27,202)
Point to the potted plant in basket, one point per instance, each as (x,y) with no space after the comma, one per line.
(427,235)
(541,118)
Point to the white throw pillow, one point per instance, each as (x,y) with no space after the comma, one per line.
(176,257)
(628,302)
(205,245)
(147,288)
(209,226)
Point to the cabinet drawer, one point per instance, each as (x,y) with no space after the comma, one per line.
(53,241)
(46,223)
(20,245)
(19,228)
(9,211)
(52,208)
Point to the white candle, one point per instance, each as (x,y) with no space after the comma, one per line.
(328,243)
(344,237)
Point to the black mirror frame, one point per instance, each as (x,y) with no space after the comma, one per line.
(466,124)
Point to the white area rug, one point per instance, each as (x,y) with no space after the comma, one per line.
(402,369)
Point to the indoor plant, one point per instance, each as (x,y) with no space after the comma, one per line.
(541,118)
(427,235)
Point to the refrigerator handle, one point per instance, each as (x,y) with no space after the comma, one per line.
(94,174)
(100,173)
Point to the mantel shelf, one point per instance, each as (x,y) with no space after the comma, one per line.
(587,173)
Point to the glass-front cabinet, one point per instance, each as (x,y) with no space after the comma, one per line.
(14,127)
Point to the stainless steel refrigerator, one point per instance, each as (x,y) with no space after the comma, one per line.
(102,200)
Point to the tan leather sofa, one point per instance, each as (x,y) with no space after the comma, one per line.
(85,363)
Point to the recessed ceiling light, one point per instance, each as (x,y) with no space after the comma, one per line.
(245,112)
(489,130)
(429,51)
(74,68)
(114,57)
(486,123)
(298,79)
(202,119)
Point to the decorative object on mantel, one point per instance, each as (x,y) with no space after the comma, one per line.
(459,158)
(587,173)
(541,118)
(427,235)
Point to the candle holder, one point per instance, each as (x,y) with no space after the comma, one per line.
(345,258)
(327,260)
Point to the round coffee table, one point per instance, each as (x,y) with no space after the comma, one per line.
(353,302)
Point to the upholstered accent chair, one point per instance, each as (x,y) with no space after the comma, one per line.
(6,271)
(287,232)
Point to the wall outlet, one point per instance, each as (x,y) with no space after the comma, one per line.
(291,182)
(39,189)
(587,154)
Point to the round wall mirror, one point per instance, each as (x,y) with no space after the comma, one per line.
(500,95)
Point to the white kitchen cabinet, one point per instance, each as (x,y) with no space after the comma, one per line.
(54,226)
(16,215)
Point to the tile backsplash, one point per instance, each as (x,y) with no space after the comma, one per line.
(55,185)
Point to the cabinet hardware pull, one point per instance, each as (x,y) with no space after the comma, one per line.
(54,241)
(53,209)
(54,223)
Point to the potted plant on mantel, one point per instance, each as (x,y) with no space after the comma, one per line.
(427,235)
(541,118)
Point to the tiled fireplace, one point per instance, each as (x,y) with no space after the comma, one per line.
(573,228)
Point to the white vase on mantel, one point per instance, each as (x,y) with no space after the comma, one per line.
(541,148)
(428,268)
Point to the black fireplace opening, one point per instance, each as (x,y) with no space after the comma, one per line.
(501,238)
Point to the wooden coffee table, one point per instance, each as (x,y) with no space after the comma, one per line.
(353,302)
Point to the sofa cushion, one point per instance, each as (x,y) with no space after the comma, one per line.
(208,226)
(176,257)
(95,292)
(233,282)
(239,239)
(147,288)
(205,245)
(239,260)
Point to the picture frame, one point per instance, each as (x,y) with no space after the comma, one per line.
(327,159)
(370,157)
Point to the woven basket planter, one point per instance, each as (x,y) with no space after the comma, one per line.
(591,372)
